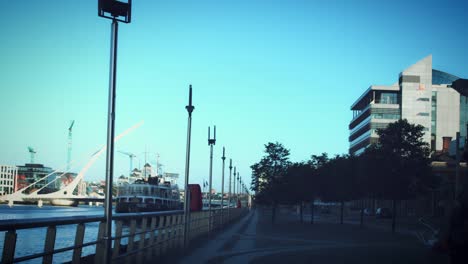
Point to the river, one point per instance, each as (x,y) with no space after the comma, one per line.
(30,241)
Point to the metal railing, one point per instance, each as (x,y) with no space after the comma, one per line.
(150,235)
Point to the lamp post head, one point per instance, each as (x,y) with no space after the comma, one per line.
(119,10)
(190,107)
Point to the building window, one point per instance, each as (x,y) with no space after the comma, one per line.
(423,114)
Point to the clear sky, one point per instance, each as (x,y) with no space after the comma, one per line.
(285,71)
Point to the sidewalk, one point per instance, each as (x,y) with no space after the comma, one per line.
(256,240)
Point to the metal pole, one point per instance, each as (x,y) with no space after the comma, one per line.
(110,142)
(190,109)
(457,168)
(222,187)
(230,194)
(238,187)
(234,187)
(211,143)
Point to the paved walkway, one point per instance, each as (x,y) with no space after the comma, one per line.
(256,240)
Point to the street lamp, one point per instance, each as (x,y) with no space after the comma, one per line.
(229,201)
(190,109)
(211,143)
(222,187)
(117,11)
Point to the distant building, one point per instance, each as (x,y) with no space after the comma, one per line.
(122,180)
(8,175)
(31,173)
(422,95)
(136,175)
(147,171)
(82,188)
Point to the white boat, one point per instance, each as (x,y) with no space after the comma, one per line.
(148,196)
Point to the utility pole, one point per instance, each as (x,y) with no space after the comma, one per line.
(190,109)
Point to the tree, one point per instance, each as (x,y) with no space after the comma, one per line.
(316,180)
(298,185)
(340,180)
(268,174)
(404,164)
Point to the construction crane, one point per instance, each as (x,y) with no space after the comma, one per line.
(131,156)
(69,145)
(31,152)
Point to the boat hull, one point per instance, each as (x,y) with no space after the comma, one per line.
(129,207)
(64,202)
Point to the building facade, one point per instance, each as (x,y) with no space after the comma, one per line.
(422,95)
(7,179)
(32,173)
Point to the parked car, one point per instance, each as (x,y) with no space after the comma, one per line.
(383,213)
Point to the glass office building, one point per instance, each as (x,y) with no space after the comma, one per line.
(422,95)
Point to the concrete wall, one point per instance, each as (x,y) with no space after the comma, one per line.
(415,92)
(448,114)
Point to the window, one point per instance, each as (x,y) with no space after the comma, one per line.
(423,99)
(423,114)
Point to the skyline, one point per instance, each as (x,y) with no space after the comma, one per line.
(263,71)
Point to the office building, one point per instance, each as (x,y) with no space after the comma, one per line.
(33,174)
(422,95)
(7,179)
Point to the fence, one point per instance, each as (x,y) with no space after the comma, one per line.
(150,235)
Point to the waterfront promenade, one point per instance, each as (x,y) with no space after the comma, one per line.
(255,239)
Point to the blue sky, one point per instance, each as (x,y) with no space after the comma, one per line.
(261,71)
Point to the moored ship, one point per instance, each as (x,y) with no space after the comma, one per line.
(155,194)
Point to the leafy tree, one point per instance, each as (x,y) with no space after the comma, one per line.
(268,174)
(340,180)
(403,160)
(297,185)
(316,180)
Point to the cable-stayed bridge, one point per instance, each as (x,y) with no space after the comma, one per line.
(65,196)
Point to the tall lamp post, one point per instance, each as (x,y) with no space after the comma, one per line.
(190,109)
(211,143)
(238,188)
(234,186)
(222,187)
(116,11)
(230,194)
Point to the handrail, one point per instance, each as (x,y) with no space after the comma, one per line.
(12,224)
(169,230)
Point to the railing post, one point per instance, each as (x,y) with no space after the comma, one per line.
(100,246)
(151,238)
(141,244)
(160,235)
(9,246)
(49,244)
(118,234)
(131,239)
(79,236)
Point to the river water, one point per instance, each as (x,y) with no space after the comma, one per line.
(30,241)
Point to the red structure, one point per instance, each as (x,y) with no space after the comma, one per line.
(196,203)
